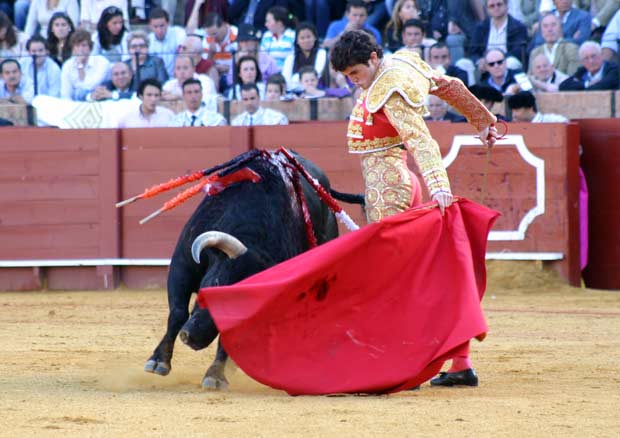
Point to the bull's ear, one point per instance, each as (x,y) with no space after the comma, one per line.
(226,243)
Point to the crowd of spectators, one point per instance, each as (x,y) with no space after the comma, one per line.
(200,51)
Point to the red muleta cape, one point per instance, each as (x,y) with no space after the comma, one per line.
(378,310)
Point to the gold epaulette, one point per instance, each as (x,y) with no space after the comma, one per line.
(407,82)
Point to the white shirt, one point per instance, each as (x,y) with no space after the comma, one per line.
(264,116)
(136,119)
(497,36)
(92,9)
(39,15)
(549,118)
(71,87)
(202,117)
(292,80)
(612,33)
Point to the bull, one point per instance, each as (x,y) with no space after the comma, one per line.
(245,229)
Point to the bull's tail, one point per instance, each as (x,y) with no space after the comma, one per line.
(349,198)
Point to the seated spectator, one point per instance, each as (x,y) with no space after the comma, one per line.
(184,70)
(192,46)
(439,59)
(356,17)
(91,11)
(81,73)
(497,74)
(489,97)
(402,11)
(499,31)
(601,12)
(110,40)
(309,82)
(275,88)
(246,72)
(164,39)
(414,38)
(544,76)
(248,42)
(595,73)
(48,72)
(609,41)
(59,31)
(307,53)
(143,66)
(41,11)
(524,109)
(563,54)
(119,87)
(12,41)
(14,86)
(195,113)
(254,114)
(279,40)
(576,23)
(196,12)
(148,114)
(219,42)
(439,112)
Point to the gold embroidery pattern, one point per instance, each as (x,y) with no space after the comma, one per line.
(411,85)
(354,130)
(388,182)
(373,145)
(454,92)
(418,141)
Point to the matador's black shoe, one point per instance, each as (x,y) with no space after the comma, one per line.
(466,377)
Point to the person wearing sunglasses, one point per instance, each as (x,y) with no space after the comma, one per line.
(497,74)
(499,30)
(91,11)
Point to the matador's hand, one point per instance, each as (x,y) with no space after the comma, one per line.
(443,199)
(488,136)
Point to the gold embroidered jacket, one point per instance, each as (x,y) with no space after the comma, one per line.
(390,113)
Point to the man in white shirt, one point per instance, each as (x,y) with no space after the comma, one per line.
(48,72)
(13,86)
(195,113)
(148,114)
(254,114)
(164,39)
(524,109)
(184,69)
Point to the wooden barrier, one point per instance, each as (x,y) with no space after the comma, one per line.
(59,189)
(600,162)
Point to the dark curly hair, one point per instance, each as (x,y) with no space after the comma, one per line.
(354,47)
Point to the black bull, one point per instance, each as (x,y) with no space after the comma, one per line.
(263,226)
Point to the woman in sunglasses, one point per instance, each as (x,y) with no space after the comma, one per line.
(91,11)
(111,37)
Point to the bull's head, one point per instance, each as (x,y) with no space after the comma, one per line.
(200,330)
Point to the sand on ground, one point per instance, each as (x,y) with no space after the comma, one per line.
(71,366)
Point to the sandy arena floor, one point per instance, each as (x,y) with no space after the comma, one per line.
(71,366)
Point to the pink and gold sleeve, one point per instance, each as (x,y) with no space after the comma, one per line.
(456,94)
(418,141)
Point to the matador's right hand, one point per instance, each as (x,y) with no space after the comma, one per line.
(488,136)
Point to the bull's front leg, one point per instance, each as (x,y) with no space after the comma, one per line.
(215,377)
(180,287)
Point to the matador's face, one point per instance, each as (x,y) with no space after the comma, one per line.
(362,75)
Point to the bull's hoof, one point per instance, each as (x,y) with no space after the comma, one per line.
(215,384)
(161,368)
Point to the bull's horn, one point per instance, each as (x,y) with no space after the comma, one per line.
(222,241)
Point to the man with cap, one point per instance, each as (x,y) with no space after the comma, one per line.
(248,40)
(524,109)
